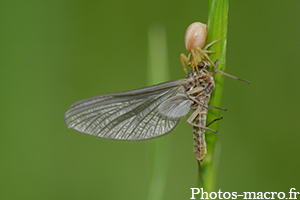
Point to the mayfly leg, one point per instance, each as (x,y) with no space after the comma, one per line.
(198,102)
(224,109)
(214,121)
(225,74)
(230,76)
(204,127)
(207,107)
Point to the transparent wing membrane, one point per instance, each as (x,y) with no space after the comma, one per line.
(132,115)
(175,107)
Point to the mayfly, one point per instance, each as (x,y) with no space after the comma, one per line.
(153,111)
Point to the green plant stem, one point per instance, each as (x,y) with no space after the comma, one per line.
(217,28)
(157,73)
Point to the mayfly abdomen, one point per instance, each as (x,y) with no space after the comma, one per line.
(199,132)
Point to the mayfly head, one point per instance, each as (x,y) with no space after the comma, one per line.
(203,65)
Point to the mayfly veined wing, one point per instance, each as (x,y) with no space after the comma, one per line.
(134,115)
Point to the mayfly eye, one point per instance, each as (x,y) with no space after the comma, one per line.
(195,36)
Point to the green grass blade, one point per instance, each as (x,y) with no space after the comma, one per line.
(217,28)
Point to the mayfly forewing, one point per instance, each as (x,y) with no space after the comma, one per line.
(132,115)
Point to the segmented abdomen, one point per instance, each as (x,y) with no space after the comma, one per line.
(199,133)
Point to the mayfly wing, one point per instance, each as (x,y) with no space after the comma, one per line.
(133,115)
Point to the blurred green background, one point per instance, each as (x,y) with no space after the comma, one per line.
(54,53)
